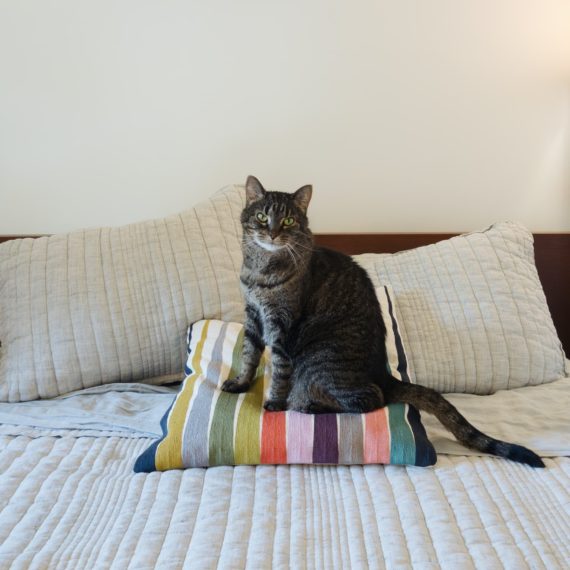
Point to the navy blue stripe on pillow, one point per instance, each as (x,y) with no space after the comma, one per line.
(145,463)
(402,360)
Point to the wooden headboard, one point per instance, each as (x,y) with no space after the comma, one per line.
(552,254)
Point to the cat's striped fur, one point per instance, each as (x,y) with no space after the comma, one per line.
(318,311)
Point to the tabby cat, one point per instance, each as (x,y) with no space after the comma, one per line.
(317,310)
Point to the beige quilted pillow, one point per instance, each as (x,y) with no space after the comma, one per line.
(472,311)
(113,304)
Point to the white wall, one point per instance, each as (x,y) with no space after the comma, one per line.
(405,115)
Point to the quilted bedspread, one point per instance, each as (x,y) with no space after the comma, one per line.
(74,502)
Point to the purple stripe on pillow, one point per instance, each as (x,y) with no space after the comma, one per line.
(299,438)
(325,444)
(195,447)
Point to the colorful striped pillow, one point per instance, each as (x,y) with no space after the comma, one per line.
(206,427)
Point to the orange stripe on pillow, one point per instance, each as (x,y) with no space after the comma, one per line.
(376,437)
(274,438)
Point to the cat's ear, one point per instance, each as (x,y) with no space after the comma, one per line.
(254,191)
(303,196)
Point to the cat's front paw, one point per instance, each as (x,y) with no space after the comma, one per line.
(272,405)
(235,386)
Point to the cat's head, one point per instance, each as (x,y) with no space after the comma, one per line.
(275,221)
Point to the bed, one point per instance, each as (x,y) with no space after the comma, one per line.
(69,497)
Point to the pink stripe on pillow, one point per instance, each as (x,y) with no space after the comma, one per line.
(300,431)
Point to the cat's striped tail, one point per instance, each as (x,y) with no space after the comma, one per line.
(434,403)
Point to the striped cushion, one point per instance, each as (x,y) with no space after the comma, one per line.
(206,427)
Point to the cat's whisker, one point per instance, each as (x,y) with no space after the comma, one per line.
(289,250)
(301,245)
(248,241)
(297,254)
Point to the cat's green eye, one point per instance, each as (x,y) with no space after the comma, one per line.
(261,217)
(288,222)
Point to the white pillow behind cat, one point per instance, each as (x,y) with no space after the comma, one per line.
(472,311)
(113,304)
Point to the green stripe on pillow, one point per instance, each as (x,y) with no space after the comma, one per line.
(221,441)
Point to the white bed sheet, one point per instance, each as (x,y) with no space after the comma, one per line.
(122,409)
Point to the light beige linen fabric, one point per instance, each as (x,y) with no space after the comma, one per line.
(472,312)
(113,304)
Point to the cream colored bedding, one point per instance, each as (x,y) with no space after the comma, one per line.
(75,503)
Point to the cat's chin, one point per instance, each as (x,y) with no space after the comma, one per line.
(268,246)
